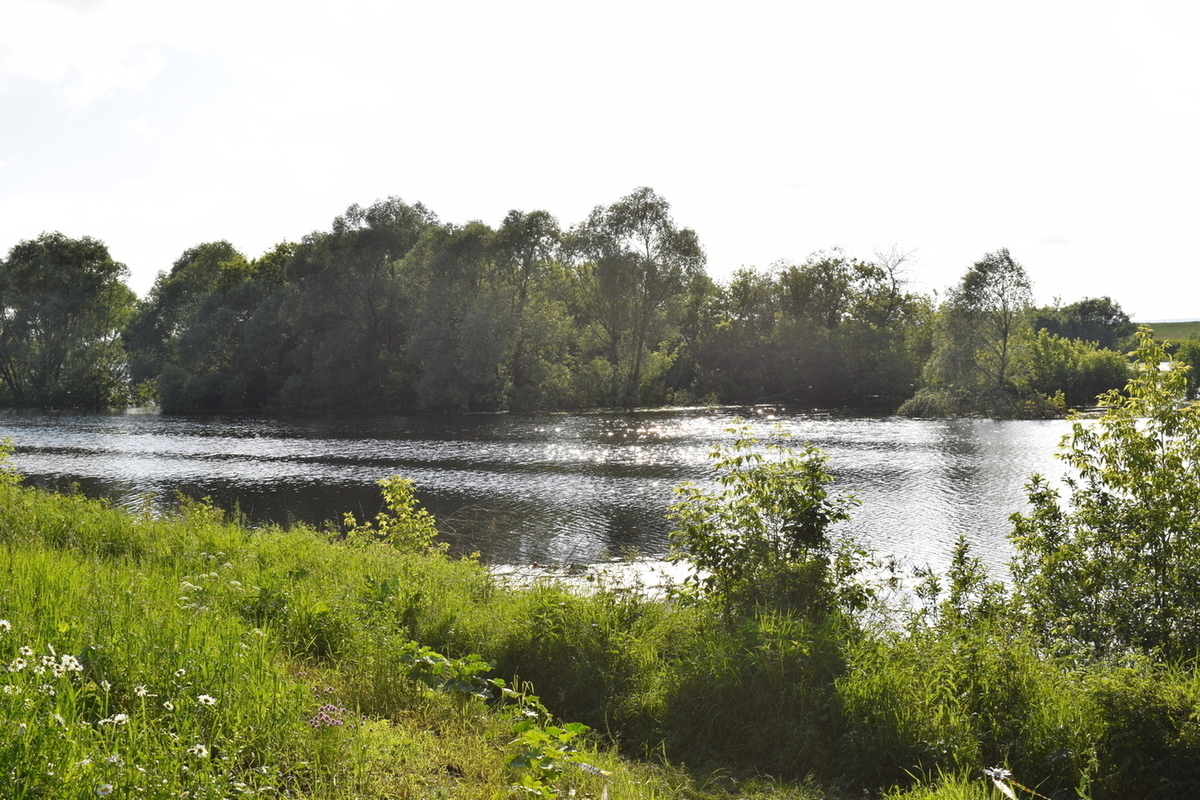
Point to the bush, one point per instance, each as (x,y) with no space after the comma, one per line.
(1117,565)
(764,540)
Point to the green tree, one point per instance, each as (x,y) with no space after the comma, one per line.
(227,353)
(204,334)
(1093,319)
(1188,352)
(976,343)
(737,352)
(847,331)
(62,304)
(461,328)
(1078,370)
(833,331)
(633,264)
(1116,565)
(763,538)
(527,255)
(347,311)
(997,294)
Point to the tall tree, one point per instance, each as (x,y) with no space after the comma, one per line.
(347,310)
(633,262)
(460,331)
(167,312)
(62,304)
(528,270)
(971,369)
(832,331)
(737,351)
(997,295)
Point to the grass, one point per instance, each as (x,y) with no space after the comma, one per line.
(189,656)
(1176,331)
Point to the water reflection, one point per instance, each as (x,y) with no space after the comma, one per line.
(574,487)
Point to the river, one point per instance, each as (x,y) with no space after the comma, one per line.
(563,488)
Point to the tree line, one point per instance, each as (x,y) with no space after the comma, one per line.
(392,309)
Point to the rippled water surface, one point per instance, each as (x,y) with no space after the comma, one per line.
(563,488)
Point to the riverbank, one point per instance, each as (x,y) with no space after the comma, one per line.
(189,654)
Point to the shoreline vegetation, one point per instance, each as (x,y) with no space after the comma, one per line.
(394,310)
(188,656)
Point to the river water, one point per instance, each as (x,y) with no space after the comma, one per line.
(563,488)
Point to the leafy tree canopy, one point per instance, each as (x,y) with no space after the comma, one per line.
(1093,319)
(62,303)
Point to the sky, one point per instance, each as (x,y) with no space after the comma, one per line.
(1067,132)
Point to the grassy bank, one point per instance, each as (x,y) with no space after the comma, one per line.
(191,657)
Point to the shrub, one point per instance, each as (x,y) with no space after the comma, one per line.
(764,539)
(1117,565)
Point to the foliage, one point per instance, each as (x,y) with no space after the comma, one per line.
(1188,352)
(1098,320)
(1078,370)
(545,752)
(207,336)
(996,291)
(832,331)
(976,343)
(764,539)
(62,303)
(1116,565)
(461,677)
(346,310)
(403,524)
(633,265)
(1148,737)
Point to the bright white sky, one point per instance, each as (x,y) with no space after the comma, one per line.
(1068,132)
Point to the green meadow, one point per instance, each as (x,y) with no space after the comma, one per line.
(1176,331)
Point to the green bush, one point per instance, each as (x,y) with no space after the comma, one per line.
(764,539)
(1116,566)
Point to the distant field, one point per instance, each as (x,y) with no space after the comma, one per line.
(1176,330)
